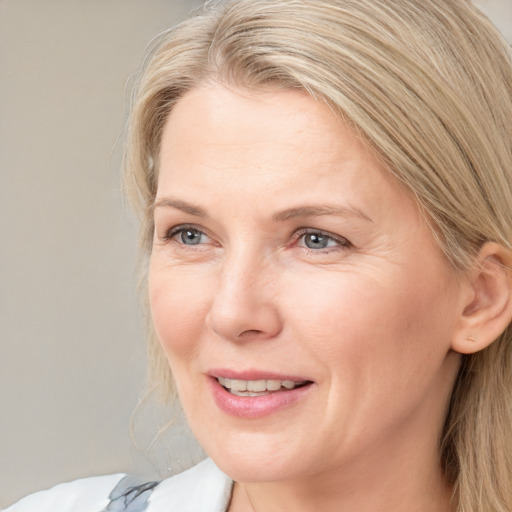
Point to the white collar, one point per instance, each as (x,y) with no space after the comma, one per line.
(203,488)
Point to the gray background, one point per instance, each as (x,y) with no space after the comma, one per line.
(72,357)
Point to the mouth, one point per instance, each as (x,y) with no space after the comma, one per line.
(261,387)
(254,394)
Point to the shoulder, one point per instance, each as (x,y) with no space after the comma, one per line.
(203,488)
(87,495)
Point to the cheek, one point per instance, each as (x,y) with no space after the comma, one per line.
(382,347)
(178,304)
(353,323)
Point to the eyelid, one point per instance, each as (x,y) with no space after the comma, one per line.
(169,233)
(174,230)
(340,240)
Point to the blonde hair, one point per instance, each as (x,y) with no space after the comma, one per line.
(428,85)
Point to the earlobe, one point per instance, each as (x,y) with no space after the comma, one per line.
(489,311)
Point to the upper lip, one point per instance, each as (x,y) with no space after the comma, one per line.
(254,375)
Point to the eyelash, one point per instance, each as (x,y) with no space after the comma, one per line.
(176,230)
(340,242)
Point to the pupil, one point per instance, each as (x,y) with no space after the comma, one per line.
(316,241)
(190,237)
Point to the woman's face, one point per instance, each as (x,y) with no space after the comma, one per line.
(285,257)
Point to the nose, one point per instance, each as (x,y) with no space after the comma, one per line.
(245,304)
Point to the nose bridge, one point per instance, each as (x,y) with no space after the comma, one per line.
(246,269)
(245,303)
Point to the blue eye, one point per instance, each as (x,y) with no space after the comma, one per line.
(188,236)
(316,241)
(319,240)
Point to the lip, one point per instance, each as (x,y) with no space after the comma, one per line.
(256,406)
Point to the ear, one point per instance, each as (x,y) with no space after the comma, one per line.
(488,307)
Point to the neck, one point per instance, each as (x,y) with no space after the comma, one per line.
(386,492)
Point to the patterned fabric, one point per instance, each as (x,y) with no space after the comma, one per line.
(203,488)
(129,496)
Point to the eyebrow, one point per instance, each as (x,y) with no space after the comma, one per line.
(179,205)
(288,214)
(318,210)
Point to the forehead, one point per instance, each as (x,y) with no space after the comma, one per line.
(244,141)
(231,106)
(223,122)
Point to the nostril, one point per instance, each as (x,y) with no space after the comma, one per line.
(249,333)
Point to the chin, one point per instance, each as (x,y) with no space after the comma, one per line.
(248,470)
(247,459)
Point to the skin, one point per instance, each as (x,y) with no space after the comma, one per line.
(370,318)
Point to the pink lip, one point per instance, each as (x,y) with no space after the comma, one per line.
(257,406)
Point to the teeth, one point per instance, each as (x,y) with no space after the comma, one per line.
(256,387)
(238,385)
(273,385)
(248,393)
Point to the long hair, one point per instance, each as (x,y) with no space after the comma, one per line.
(427,85)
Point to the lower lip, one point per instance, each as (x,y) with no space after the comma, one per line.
(255,406)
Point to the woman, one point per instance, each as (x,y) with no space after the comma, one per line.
(325,195)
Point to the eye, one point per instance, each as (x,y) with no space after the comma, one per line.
(191,236)
(318,240)
(187,235)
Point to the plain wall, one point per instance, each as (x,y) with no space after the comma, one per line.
(72,354)
(72,357)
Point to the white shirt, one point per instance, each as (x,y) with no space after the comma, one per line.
(203,488)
